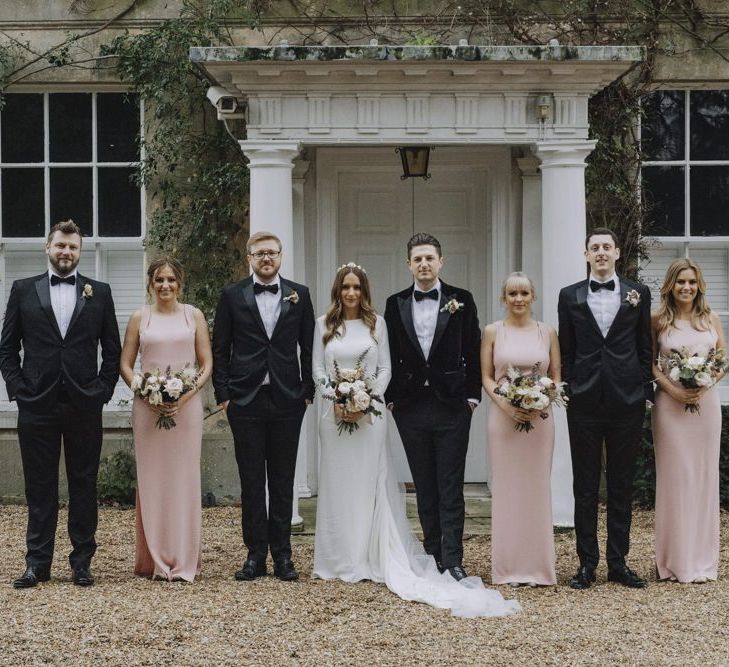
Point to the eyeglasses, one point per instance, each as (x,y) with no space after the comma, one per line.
(271,254)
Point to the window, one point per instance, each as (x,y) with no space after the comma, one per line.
(71,155)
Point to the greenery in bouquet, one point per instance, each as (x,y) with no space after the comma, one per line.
(692,369)
(158,388)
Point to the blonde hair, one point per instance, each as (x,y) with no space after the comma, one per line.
(700,311)
(262,236)
(517,279)
(334,319)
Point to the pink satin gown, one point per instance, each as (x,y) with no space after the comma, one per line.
(522,538)
(687,472)
(169,513)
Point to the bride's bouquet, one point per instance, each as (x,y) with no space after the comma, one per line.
(693,371)
(353,390)
(158,387)
(531,391)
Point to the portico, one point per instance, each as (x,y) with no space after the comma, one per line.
(510,131)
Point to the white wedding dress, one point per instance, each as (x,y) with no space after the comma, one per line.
(361,528)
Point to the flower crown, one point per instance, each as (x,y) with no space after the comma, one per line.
(351,265)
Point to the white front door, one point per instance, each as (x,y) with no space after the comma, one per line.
(377,213)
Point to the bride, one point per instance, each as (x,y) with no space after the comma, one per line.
(361,528)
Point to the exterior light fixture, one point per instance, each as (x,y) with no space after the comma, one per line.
(414,161)
(544,108)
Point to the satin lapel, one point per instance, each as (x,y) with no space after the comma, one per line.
(43,288)
(582,301)
(80,301)
(442,323)
(285,306)
(250,299)
(406,315)
(624,305)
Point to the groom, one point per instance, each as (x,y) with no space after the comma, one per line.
(60,318)
(605,339)
(436,385)
(264,384)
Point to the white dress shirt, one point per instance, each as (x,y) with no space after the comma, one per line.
(63,301)
(604,304)
(425,318)
(269,306)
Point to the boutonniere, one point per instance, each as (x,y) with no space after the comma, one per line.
(293,297)
(452,306)
(88,291)
(633,298)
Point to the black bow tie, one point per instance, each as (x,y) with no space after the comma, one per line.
(69,280)
(419,296)
(258,288)
(596,286)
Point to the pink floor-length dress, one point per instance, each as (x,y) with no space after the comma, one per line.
(687,471)
(522,539)
(169,513)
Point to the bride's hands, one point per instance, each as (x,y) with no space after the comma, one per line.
(345,416)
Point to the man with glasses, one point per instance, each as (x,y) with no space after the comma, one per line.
(262,340)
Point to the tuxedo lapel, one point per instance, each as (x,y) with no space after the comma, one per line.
(43,288)
(285,305)
(624,305)
(250,299)
(581,295)
(80,301)
(406,316)
(443,316)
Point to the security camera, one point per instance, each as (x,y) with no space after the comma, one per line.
(222,100)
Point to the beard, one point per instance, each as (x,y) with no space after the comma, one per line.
(63,267)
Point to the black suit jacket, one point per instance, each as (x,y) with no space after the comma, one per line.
(243,354)
(612,372)
(49,359)
(452,368)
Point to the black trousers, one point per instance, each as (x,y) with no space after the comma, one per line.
(621,433)
(41,436)
(266,441)
(435,437)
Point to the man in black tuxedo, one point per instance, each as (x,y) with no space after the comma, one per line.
(59,318)
(435,387)
(265,383)
(605,338)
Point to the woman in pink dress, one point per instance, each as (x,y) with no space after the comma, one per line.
(169,514)
(522,540)
(686,443)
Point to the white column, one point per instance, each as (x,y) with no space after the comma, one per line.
(531,224)
(563,263)
(271,164)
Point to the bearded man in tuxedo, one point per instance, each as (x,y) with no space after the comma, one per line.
(60,318)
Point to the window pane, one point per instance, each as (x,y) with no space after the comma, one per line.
(120,211)
(710,125)
(117,127)
(69,116)
(72,197)
(662,128)
(663,195)
(22,128)
(23,210)
(710,201)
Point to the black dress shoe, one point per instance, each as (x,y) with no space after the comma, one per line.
(625,576)
(32,576)
(457,572)
(439,565)
(584,578)
(285,570)
(82,576)
(250,570)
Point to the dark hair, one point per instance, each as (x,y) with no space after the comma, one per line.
(159,263)
(601,231)
(334,319)
(65,227)
(422,238)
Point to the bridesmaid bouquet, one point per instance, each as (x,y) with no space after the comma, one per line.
(693,371)
(157,387)
(531,391)
(354,390)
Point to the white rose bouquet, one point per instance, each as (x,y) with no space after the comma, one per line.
(531,391)
(354,391)
(693,370)
(157,387)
